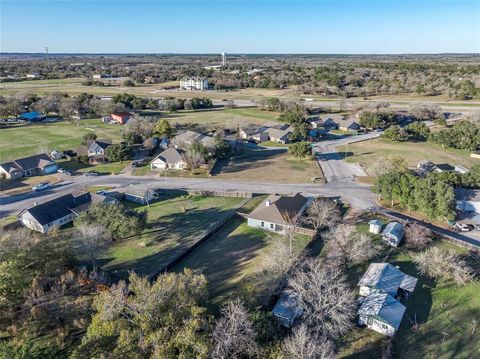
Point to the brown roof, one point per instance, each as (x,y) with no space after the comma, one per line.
(279,208)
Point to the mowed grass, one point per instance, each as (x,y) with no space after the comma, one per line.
(438,306)
(268,165)
(366,153)
(174,224)
(230,259)
(28,140)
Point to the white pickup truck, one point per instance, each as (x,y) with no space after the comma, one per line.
(41,186)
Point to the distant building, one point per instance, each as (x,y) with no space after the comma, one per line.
(95,150)
(393,233)
(56,155)
(425,167)
(468,200)
(254,133)
(349,124)
(101,76)
(28,166)
(32,116)
(120,118)
(277,212)
(194,83)
(460,169)
(33,75)
(279,135)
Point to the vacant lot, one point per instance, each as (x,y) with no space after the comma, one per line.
(25,184)
(231,257)
(174,224)
(267,165)
(367,152)
(437,306)
(27,140)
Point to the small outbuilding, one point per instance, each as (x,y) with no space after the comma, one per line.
(56,155)
(393,233)
(287,309)
(381,312)
(375,226)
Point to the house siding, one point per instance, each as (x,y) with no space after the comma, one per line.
(376,325)
(27,220)
(269,226)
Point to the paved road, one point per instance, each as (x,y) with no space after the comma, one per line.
(356,195)
(333,163)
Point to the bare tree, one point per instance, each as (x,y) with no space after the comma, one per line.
(234,335)
(348,247)
(92,240)
(193,157)
(417,237)
(276,264)
(437,263)
(327,300)
(321,213)
(301,344)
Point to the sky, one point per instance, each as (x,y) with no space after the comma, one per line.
(282,26)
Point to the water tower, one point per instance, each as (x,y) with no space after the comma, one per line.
(224,59)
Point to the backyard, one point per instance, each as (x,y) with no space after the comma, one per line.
(231,257)
(174,224)
(45,137)
(366,153)
(443,311)
(274,165)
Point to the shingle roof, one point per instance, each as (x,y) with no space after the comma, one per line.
(383,307)
(279,208)
(38,161)
(57,208)
(104,143)
(278,133)
(387,278)
(170,155)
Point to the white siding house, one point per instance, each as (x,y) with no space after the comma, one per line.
(194,83)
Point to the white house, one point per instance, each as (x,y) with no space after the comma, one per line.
(277,212)
(381,312)
(388,279)
(54,213)
(194,83)
(171,158)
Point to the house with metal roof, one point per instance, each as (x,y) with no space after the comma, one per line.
(287,309)
(28,166)
(393,233)
(381,312)
(468,200)
(277,212)
(388,279)
(55,212)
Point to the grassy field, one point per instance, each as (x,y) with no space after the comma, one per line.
(22,141)
(174,224)
(231,257)
(25,184)
(438,306)
(271,165)
(367,152)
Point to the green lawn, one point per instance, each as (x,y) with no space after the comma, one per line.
(231,257)
(367,152)
(27,140)
(273,144)
(438,306)
(174,224)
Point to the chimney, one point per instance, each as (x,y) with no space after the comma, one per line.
(35,203)
(267,203)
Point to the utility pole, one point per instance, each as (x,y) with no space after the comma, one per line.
(46,52)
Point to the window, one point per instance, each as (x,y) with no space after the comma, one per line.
(271,225)
(369,321)
(262,224)
(384,326)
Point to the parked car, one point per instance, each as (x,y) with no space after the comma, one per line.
(41,186)
(464,227)
(91,173)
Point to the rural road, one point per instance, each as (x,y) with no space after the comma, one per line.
(355,194)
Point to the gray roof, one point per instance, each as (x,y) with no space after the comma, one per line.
(278,133)
(253,129)
(57,208)
(384,308)
(279,208)
(102,143)
(387,278)
(38,161)
(349,122)
(287,309)
(376,222)
(393,229)
(170,155)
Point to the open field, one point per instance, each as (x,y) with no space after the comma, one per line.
(439,307)
(231,257)
(28,140)
(267,165)
(174,224)
(367,152)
